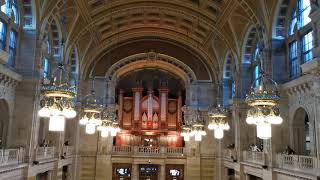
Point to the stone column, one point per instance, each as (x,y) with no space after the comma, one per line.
(162,174)
(136,106)
(120,103)
(163,107)
(179,119)
(135,172)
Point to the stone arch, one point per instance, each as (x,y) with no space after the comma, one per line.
(302,132)
(4,122)
(151,59)
(280,19)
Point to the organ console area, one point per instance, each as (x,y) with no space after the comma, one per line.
(149,117)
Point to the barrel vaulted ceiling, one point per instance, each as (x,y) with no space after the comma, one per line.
(207,29)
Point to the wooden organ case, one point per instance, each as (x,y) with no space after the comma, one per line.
(146,116)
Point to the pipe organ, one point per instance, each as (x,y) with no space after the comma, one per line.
(149,117)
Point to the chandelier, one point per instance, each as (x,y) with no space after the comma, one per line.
(264,106)
(218,121)
(194,124)
(109,123)
(57,99)
(91,109)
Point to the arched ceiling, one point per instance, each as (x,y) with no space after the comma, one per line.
(206,29)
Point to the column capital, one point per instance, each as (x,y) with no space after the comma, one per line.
(138,89)
(163,90)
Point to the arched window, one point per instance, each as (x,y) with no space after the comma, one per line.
(228,82)
(255,65)
(3,35)
(5,8)
(14,8)
(11,7)
(12,48)
(300,37)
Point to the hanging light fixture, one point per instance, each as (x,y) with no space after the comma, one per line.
(57,93)
(57,99)
(263,100)
(218,121)
(91,108)
(109,122)
(264,106)
(197,127)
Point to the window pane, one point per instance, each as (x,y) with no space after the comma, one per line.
(293,23)
(293,54)
(6,7)
(46,68)
(12,48)
(307,45)
(304,11)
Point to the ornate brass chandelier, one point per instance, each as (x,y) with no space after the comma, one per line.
(264,110)
(90,115)
(109,123)
(218,121)
(194,124)
(57,99)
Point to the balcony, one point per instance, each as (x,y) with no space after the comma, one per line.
(229,155)
(148,151)
(9,157)
(45,153)
(304,164)
(68,151)
(254,157)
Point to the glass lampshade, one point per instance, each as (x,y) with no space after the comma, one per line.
(218,133)
(186,137)
(198,137)
(264,130)
(69,113)
(56,123)
(44,112)
(104,134)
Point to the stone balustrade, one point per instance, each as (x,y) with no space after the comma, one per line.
(229,154)
(44,153)
(11,156)
(147,151)
(254,157)
(68,151)
(298,163)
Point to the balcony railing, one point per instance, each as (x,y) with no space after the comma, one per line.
(230,154)
(68,151)
(147,151)
(254,157)
(298,162)
(44,153)
(11,156)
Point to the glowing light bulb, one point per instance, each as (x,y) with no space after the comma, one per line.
(90,128)
(218,133)
(56,123)
(44,112)
(84,120)
(198,137)
(104,134)
(186,138)
(113,132)
(211,126)
(69,113)
(264,130)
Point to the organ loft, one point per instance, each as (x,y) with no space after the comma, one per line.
(150,117)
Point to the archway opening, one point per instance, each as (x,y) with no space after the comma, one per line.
(302,132)
(4,121)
